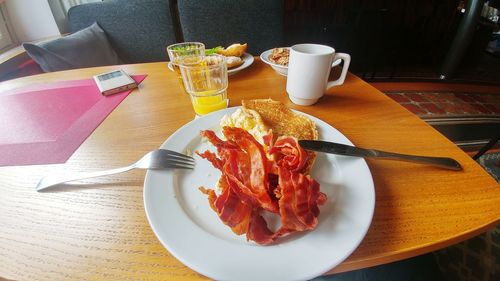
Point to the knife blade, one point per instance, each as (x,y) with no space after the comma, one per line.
(343,149)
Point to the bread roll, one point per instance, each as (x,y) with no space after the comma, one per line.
(235,50)
(233,62)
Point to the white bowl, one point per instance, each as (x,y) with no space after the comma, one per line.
(280,69)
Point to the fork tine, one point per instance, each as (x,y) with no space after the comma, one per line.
(180,159)
(181,166)
(175,160)
(178,155)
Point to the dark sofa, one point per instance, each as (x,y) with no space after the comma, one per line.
(139,30)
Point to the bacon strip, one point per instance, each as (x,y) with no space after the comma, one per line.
(212,157)
(229,208)
(268,138)
(258,184)
(298,205)
(258,230)
(251,184)
(216,141)
(299,202)
(289,154)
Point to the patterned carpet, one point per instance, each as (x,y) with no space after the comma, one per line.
(491,163)
(448,104)
(477,259)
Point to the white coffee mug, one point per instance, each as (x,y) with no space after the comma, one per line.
(308,70)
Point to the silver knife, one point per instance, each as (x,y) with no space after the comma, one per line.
(342,149)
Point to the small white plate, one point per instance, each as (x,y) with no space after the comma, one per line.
(190,230)
(281,69)
(247,61)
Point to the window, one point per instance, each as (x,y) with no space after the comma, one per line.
(6,38)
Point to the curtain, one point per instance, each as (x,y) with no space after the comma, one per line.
(60,11)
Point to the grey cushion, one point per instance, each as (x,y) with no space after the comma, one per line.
(85,48)
(223,22)
(138,30)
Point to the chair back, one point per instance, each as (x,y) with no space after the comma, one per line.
(138,30)
(223,22)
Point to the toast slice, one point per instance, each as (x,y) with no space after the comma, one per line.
(284,122)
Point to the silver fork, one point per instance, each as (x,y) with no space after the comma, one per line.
(157,160)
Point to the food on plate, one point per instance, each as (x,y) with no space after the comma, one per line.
(234,50)
(280,56)
(284,122)
(230,61)
(233,61)
(249,120)
(257,179)
(213,50)
(232,53)
(282,119)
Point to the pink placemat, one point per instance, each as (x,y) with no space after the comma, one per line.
(45,124)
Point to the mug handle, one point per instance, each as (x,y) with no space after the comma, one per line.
(347,60)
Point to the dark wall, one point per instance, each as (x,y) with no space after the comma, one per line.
(382,36)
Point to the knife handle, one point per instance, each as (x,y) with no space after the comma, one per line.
(443,162)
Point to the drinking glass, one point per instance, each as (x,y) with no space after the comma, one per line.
(206,84)
(186,53)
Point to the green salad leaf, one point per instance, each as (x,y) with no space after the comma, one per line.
(213,50)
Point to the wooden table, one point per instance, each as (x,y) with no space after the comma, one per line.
(101,232)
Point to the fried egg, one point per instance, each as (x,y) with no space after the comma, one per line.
(248,120)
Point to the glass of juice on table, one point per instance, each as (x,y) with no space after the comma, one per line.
(206,84)
(187,53)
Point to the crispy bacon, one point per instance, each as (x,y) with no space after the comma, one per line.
(268,138)
(230,209)
(258,183)
(258,230)
(298,204)
(289,154)
(251,184)
(216,141)
(300,197)
(212,157)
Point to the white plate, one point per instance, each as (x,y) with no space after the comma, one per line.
(247,61)
(190,230)
(281,69)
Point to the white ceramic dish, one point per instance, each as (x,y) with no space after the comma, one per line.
(190,230)
(247,61)
(281,69)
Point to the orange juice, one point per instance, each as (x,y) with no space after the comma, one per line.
(209,101)
(206,83)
